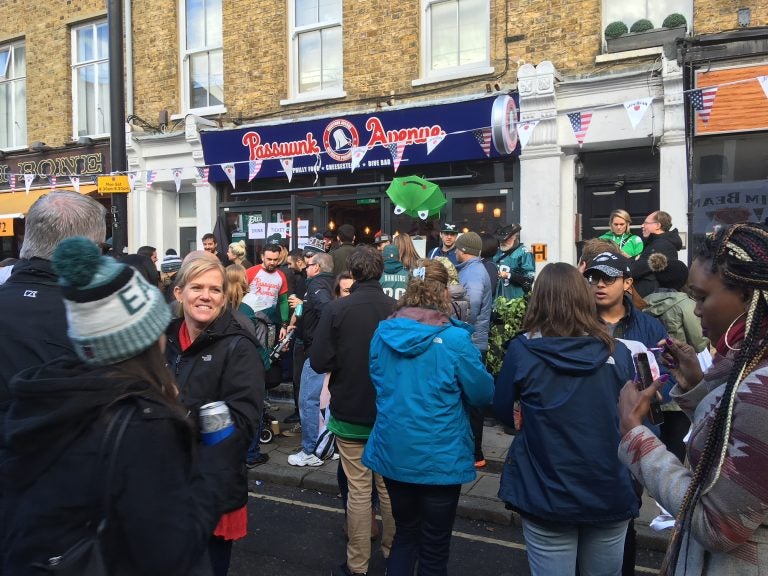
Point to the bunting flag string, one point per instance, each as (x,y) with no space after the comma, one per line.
(75,180)
(702,100)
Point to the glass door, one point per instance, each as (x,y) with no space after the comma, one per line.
(308,216)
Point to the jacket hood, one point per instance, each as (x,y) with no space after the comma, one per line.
(672,237)
(51,406)
(457,292)
(392,266)
(571,355)
(410,331)
(659,302)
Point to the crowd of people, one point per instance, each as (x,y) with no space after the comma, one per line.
(131,396)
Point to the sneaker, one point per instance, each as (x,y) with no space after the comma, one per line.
(302,459)
(335,456)
(260,459)
(295,430)
(344,571)
(292,419)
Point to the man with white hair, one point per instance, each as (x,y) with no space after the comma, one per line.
(33,323)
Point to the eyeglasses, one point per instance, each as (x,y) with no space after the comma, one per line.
(312,264)
(649,222)
(594,279)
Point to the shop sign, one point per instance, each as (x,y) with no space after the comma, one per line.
(397,139)
(6,226)
(61,164)
(114,184)
(539,252)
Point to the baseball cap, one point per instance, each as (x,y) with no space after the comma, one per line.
(314,246)
(450,228)
(379,238)
(610,264)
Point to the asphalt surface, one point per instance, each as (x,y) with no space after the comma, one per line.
(298,532)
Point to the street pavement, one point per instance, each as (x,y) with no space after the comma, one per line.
(478,499)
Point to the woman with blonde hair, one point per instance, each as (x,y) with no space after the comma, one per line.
(237,254)
(215,359)
(630,244)
(408,254)
(426,372)
(566,371)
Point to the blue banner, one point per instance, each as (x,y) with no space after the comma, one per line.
(396,139)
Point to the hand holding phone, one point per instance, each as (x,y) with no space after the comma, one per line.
(644,378)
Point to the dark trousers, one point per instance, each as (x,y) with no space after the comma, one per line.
(298,366)
(220,553)
(424,516)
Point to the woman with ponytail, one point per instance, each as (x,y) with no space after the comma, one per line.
(721,502)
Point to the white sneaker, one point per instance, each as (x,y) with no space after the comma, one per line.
(302,459)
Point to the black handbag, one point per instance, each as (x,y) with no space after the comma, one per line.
(86,557)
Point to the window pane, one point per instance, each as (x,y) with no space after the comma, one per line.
(5,56)
(187,205)
(198,80)
(329,10)
(195,22)
(20,103)
(102,112)
(332,65)
(306,12)
(216,78)
(85,47)
(472,34)
(86,100)
(102,41)
(6,120)
(19,62)
(444,35)
(310,61)
(213,23)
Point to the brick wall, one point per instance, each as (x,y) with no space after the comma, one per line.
(720,15)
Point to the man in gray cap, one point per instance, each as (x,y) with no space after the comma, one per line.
(477,283)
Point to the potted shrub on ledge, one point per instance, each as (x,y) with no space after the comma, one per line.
(642,34)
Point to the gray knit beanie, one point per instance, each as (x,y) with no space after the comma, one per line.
(470,243)
(113,313)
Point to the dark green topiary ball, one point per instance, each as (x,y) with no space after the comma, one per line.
(674,21)
(76,260)
(615,29)
(641,25)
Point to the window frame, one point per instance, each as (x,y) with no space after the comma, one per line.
(184,61)
(429,75)
(75,66)
(294,32)
(10,80)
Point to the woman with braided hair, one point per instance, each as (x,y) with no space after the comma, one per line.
(721,503)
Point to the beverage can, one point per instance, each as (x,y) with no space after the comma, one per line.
(215,422)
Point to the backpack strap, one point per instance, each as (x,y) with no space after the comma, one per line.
(117,425)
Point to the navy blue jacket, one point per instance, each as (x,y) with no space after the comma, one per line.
(563,466)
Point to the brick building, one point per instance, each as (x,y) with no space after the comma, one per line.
(217,77)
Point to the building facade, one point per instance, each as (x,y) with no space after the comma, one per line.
(601,124)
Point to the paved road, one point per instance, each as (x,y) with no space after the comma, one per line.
(297,532)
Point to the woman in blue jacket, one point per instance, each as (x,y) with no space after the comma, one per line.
(562,473)
(426,371)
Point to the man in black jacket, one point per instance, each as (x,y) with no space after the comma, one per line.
(341,346)
(658,236)
(33,324)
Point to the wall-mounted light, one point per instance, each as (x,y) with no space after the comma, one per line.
(479,207)
(465,230)
(314,228)
(367,230)
(331,225)
(497,212)
(578,169)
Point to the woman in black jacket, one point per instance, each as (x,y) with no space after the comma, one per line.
(215,358)
(164,497)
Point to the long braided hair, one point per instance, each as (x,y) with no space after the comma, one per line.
(739,254)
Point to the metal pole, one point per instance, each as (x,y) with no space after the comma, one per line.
(119,161)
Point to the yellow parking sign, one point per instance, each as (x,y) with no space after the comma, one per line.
(116,184)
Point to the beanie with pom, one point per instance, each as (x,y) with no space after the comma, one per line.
(672,274)
(113,313)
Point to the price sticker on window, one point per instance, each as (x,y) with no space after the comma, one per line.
(6,226)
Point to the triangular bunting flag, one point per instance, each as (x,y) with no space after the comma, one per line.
(433,141)
(177,178)
(287,166)
(316,168)
(702,100)
(358,153)
(131,180)
(75,182)
(525,131)
(399,210)
(396,150)
(202,173)
(151,175)
(423,214)
(253,168)
(12,181)
(229,170)
(580,122)
(53,182)
(764,83)
(636,109)
(28,179)
(483,137)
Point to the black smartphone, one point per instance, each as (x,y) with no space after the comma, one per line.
(645,379)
